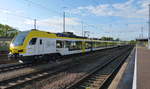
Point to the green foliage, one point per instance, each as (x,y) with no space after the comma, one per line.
(107,38)
(133,42)
(7,31)
(117,39)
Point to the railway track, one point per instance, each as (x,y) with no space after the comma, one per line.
(20,80)
(100,77)
(67,77)
(16,66)
(74,74)
(12,83)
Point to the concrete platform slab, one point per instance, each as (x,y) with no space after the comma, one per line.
(124,78)
(137,73)
(127,79)
(143,68)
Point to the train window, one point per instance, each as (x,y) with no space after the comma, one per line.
(33,41)
(19,39)
(88,45)
(59,44)
(79,45)
(40,41)
(74,45)
(67,44)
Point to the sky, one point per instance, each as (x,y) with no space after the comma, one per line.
(124,19)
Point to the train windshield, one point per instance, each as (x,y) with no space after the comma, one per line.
(19,39)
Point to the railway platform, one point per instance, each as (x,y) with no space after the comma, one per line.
(135,72)
(143,68)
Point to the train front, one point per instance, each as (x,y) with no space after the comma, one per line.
(17,46)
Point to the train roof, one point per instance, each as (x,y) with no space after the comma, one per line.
(66,35)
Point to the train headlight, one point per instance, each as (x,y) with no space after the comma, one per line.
(11,45)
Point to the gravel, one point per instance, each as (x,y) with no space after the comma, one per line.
(65,78)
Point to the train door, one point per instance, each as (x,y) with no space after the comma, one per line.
(32,47)
(83,47)
(40,46)
(91,46)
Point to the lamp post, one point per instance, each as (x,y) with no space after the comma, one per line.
(64,21)
(34,24)
(149,30)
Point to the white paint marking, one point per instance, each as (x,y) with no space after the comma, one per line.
(135,72)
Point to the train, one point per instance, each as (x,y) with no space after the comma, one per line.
(34,45)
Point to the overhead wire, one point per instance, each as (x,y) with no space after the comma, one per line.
(49,10)
(14,14)
(42,6)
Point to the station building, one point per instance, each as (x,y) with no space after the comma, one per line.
(142,42)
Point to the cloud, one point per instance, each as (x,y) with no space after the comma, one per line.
(5,11)
(55,24)
(129,9)
(54,21)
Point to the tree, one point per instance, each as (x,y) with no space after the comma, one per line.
(7,28)
(7,31)
(117,39)
(1,30)
(133,42)
(107,38)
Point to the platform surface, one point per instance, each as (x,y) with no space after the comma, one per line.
(143,68)
(127,77)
